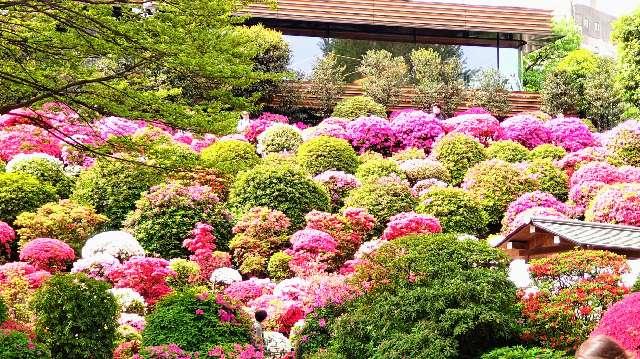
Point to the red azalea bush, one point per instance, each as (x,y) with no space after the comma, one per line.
(574,289)
(617,203)
(202,243)
(371,134)
(146,276)
(404,224)
(622,322)
(483,127)
(7,236)
(416,129)
(47,254)
(528,130)
(27,139)
(570,133)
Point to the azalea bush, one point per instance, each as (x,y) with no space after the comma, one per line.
(281,187)
(458,152)
(279,138)
(167,213)
(15,344)
(373,169)
(570,133)
(146,276)
(230,156)
(7,237)
(311,252)
(624,147)
(620,322)
(416,129)
(371,134)
(358,106)
(526,130)
(27,138)
(531,200)
(422,169)
(574,290)
(260,124)
(618,203)
(46,168)
(21,192)
(508,150)
(404,224)
(596,171)
(482,127)
(76,317)
(47,254)
(325,153)
(550,178)
(117,244)
(202,244)
(456,210)
(338,184)
(65,220)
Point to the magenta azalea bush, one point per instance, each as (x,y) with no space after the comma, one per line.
(47,254)
(371,134)
(146,276)
(527,130)
(622,323)
(570,133)
(27,139)
(596,171)
(7,236)
(416,129)
(407,223)
(617,203)
(531,200)
(574,160)
(482,127)
(581,194)
(525,216)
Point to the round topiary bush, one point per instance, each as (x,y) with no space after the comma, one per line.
(230,156)
(278,266)
(548,151)
(496,183)
(458,152)
(510,151)
(22,192)
(46,168)
(373,169)
(47,254)
(571,133)
(618,204)
(76,317)
(383,199)
(325,153)
(550,178)
(456,209)
(65,220)
(113,187)
(282,187)
(279,137)
(417,170)
(194,321)
(165,216)
(358,106)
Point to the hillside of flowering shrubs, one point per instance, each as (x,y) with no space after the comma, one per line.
(359,237)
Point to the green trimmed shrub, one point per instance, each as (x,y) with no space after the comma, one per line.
(230,156)
(411,153)
(17,345)
(76,317)
(624,149)
(417,170)
(458,152)
(438,297)
(547,150)
(46,171)
(456,209)
(112,187)
(520,352)
(279,137)
(22,192)
(281,187)
(167,214)
(510,151)
(496,183)
(3,311)
(318,336)
(278,266)
(359,106)
(373,169)
(383,199)
(65,220)
(551,179)
(176,320)
(325,153)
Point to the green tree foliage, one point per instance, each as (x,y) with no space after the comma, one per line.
(537,63)
(437,80)
(76,317)
(184,62)
(327,83)
(384,76)
(491,92)
(626,35)
(438,297)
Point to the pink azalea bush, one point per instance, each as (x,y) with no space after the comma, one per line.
(202,243)
(338,183)
(371,134)
(407,223)
(527,130)
(570,133)
(622,323)
(416,129)
(7,236)
(531,200)
(97,267)
(473,110)
(47,254)
(581,194)
(483,127)
(525,216)
(34,276)
(145,275)
(311,251)
(596,171)
(574,160)
(27,139)
(250,289)
(260,124)
(617,203)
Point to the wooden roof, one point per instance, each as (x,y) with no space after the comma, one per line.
(411,14)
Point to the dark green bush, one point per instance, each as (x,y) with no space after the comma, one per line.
(456,209)
(316,329)
(547,150)
(458,152)
(17,345)
(230,156)
(76,317)
(373,169)
(175,321)
(46,171)
(166,215)
(327,153)
(551,179)
(520,352)
(358,106)
(22,192)
(508,150)
(3,311)
(279,186)
(438,297)
(113,187)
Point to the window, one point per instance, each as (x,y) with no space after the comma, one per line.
(585,23)
(596,26)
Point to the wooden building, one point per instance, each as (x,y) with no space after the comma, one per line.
(542,237)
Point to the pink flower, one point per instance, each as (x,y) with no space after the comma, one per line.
(203,296)
(248,290)
(27,139)
(312,240)
(322,322)
(145,275)
(596,171)
(47,254)
(407,223)
(617,203)
(225,316)
(531,200)
(622,322)
(528,130)
(483,127)
(371,134)
(570,133)
(416,129)
(7,236)
(200,312)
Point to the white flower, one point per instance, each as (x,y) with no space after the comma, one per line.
(20,157)
(129,300)
(519,273)
(467,237)
(276,343)
(225,276)
(118,244)
(369,247)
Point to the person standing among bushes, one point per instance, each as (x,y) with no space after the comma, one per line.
(602,347)
(437,112)
(258,331)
